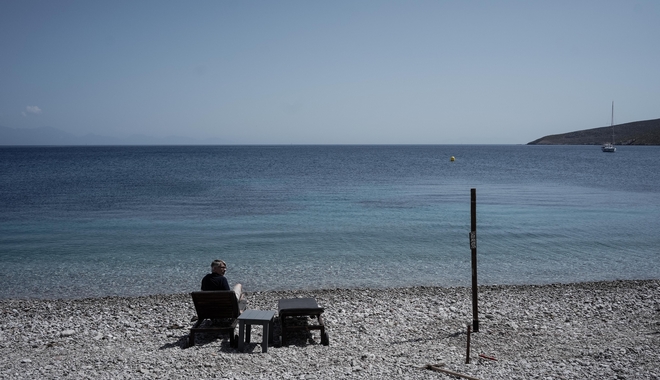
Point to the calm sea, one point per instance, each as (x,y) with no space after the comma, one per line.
(98,221)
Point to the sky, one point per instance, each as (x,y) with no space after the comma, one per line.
(329,72)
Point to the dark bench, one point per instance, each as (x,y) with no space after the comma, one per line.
(292,308)
(221,308)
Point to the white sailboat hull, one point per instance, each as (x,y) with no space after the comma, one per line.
(609,148)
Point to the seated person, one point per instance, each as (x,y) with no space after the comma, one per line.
(216,280)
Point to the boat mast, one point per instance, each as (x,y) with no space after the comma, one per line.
(612,122)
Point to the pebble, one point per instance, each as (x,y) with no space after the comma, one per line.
(598,330)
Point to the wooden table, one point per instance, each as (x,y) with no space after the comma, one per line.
(255,317)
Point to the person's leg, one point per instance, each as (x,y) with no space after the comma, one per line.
(242,302)
(238,289)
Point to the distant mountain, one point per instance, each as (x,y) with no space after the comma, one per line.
(645,132)
(54,136)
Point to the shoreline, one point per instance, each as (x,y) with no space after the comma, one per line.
(593,330)
(320,290)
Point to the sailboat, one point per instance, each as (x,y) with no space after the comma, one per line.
(609,147)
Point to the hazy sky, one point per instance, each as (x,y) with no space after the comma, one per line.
(329,72)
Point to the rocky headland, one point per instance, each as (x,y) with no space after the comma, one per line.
(645,132)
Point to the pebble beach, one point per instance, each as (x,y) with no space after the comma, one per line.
(595,330)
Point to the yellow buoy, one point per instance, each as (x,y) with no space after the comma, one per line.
(452,159)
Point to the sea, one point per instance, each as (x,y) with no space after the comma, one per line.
(96,221)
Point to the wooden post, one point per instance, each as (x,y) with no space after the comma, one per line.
(473,247)
(467,353)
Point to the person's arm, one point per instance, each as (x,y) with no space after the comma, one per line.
(223,284)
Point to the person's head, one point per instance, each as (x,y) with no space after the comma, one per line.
(219,267)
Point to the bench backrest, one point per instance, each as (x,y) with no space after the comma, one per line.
(215,304)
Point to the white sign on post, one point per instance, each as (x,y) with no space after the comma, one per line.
(473,240)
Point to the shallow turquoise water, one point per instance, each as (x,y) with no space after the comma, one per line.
(95,221)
